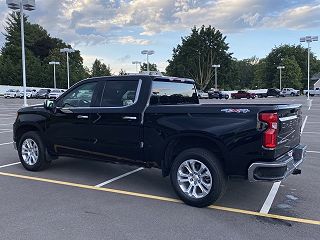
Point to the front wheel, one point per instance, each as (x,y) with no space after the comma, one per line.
(32,152)
(292,94)
(226,97)
(197,177)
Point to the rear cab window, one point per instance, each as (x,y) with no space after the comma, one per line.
(173,93)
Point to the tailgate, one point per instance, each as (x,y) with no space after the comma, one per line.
(290,121)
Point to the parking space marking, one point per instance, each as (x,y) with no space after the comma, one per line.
(312,132)
(313,152)
(4,124)
(269,200)
(11,164)
(6,131)
(303,124)
(119,177)
(165,199)
(2,144)
(310,104)
(275,187)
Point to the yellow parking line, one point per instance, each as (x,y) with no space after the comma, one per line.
(142,195)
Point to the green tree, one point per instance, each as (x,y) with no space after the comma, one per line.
(259,72)
(152,67)
(100,69)
(194,57)
(278,54)
(41,48)
(122,72)
(291,75)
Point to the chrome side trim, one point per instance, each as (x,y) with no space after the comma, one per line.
(283,119)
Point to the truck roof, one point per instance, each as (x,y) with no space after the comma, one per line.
(145,77)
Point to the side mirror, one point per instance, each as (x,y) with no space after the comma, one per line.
(49,104)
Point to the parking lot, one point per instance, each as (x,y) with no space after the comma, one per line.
(77,199)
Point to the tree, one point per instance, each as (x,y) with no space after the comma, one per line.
(291,75)
(122,72)
(100,69)
(41,48)
(278,54)
(194,57)
(152,67)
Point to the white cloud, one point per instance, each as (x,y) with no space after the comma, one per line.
(133,41)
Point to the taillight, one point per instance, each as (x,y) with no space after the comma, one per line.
(271,134)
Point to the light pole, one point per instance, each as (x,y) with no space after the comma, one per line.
(54,73)
(280,68)
(216,66)
(67,51)
(27,5)
(147,52)
(136,63)
(309,39)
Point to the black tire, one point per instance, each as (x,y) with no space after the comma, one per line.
(253,97)
(41,162)
(213,165)
(226,97)
(292,94)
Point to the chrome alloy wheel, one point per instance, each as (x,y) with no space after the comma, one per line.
(30,151)
(194,178)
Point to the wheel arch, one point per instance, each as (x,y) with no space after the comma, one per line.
(180,143)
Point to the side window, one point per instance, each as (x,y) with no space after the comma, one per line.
(172,93)
(79,97)
(119,93)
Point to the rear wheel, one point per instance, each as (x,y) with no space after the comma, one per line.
(32,152)
(226,97)
(292,94)
(197,177)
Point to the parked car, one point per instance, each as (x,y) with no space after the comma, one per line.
(243,94)
(315,92)
(218,95)
(12,93)
(290,92)
(164,126)
(271,92)
(202,94)
(30,93)
(55,93)
(43,93)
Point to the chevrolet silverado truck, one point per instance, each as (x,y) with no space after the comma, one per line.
(157,121)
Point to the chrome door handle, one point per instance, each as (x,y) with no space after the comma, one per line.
(129,118)
(82,117)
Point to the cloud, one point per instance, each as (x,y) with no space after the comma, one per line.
(94,22)
(124,58)
(133,41)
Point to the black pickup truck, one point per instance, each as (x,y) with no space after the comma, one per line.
(157,121)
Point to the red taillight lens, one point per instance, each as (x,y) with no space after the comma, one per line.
(271,134)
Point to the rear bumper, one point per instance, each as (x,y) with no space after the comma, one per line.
(279,169)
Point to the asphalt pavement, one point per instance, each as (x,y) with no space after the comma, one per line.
(79,199)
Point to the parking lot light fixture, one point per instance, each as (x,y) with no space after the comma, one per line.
(136,63)
(27,5)
(280,68)
(148,53)
(54,73)
(309,39)
(67,51)
(216,66)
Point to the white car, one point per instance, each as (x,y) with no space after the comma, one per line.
(315,92)
(30,93)
(290,92)
(55,93)
(202,94)
(12,93)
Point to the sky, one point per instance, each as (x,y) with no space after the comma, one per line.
(116,31)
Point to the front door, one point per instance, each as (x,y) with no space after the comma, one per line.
(69,128)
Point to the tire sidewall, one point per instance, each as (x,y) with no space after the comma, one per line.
(41,162)
(216,172)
